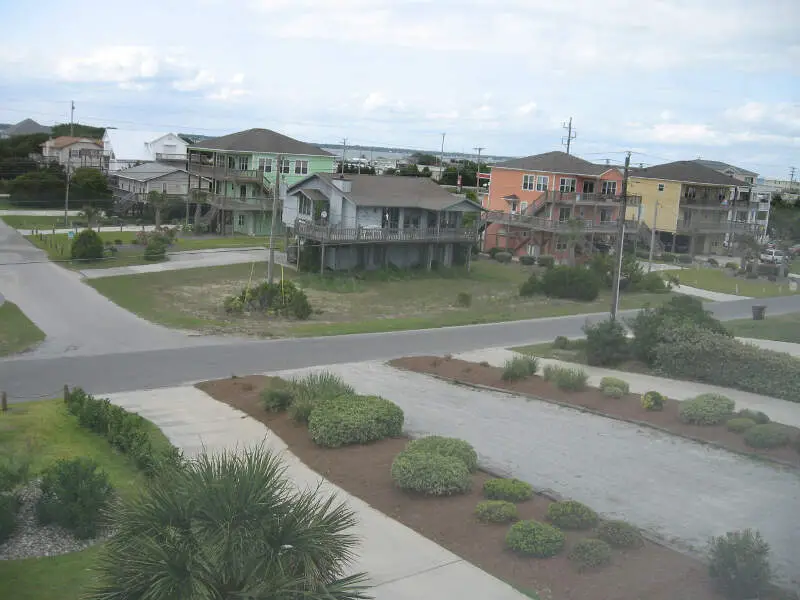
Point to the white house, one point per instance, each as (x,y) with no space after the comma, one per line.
(137,182)
(73,152)
(123,149)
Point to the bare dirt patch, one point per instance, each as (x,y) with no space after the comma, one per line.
(651,572)
(627,408)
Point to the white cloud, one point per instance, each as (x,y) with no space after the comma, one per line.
(526,109)
(113,64)
(202,79)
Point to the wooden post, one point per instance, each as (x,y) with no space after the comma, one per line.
(469,258)
(4,403)
(322,260)
(66,394)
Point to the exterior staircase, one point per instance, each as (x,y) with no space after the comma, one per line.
(123,201)
(207,218)
(645,234)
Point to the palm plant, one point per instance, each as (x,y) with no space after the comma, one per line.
(159,201)
(574,235)
(90,213)
(229,526)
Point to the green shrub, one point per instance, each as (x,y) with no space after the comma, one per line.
(756,415)
(620,534)
(446,446)
(571,514)
(511,490)
(314,388)
(299,306)
(430,474)
(768,270)
(769,435)
(496,511)
(685,259)
(530,287)
(606,343)
(536,539)
(546,261)
(668,257)
(573,380)
(739,424)
(282,298)
(590,553)
(74,495)
(574,283)
(87,245)
(614,392)
(739,564)
(519,367)
(732,265)
(527,260)
(614,382)
(155,250)
(706,409)
(713,262)
(352,419)
(651,283)
(561,343)
(653,401)
(14,470)
(503,257)
(9,507)
(464,299)
(276,399)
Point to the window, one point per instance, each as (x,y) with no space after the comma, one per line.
(748,180)
(588,187)
(219,160)
(241,219)
(561,245)
(301,167)
(285,166)
(163,188)
(242,191)
(567,184)
(304,205)
(542,182)
(610,188)
(523,206)
(244,163)
(217,187)
(231,163)
(605,215)
(528,182)
(267,165)
(564,213)
(660,187)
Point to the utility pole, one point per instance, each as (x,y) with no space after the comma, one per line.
(441,160)
(344,153)
(791,178)
(653,238)
(571,135)
(66,193)
(478,149)
(620,240)
(276,191)
(71,117)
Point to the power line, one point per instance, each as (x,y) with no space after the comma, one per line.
(571,134)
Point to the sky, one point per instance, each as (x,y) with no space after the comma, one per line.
(665,79)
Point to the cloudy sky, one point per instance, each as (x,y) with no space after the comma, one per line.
(668,79)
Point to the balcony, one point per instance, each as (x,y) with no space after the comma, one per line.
(222,172)
(162,156)
(243,203)
(554,225)
(701,226)
(333,234)
(590,198)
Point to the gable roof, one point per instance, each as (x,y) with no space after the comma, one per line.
(686,171)
(148,171)
(555,162)
(132,145)
(392,191)
(260,140)
(27,127)
(63,141)
(721,166)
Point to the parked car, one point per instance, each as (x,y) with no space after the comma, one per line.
(772,255)
(794,250)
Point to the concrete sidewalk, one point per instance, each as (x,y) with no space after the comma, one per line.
(99,229)
(401,564)
(781,411)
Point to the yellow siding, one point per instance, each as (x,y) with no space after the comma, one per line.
(668,201)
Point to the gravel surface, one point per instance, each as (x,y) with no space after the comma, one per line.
(32,540)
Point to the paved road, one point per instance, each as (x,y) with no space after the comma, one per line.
(682,491)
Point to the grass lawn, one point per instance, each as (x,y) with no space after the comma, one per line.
(34,221)
(717,280)
(48,432)
(794,266)
(782,328)
(17,332)
(371,302)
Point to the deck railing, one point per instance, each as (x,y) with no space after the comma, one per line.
(361,235)
(542,224)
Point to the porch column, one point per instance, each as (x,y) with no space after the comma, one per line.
(430,256)
(322,260)
(692,240)
(448,255)
(469,257)
(385,250)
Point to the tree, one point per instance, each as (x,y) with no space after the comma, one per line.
(160,201)
(574,236)
(87,245)
(422,158)
(38,189)
(229,526)
(78,130)
(21,146)
(410,170)
(91,187)
(426,172)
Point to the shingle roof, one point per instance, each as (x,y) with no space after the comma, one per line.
(147,171)
(63,141)
(688,171)
(721,166)
(555,162)
(394,191)
(261,140)
(27,127)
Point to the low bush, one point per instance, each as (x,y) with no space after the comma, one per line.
(614,392)
(276,399)
(546,261)
(614,382)
(519,367)
(503,257)
(756,415)
(561,343)
(464,299)
(571,514)
(496,511)
(706,409)
(668,257)
(620,534)
(768,270)
(739,424)
(606,343)
(527,260)
(530,287)
(590,553)
(9,507)
(352,419)
(493,251)
(511,490)
(712,261)
(573,283)
(769,435)
(536,539)
(430,474)
(732,265)
(685,259)
(14,470)
(446,446)
(282,298)
(314,388)
(652,400)
(568,379)
(155,250)
(739,564)
(87,245)
(651,283)
(74,495)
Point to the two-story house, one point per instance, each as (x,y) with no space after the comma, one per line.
(692,207)
(133,185)
(374,221)
(535,204)
(124,148)
(73,152)
(242,168)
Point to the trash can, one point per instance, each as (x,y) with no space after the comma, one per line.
(758,312)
